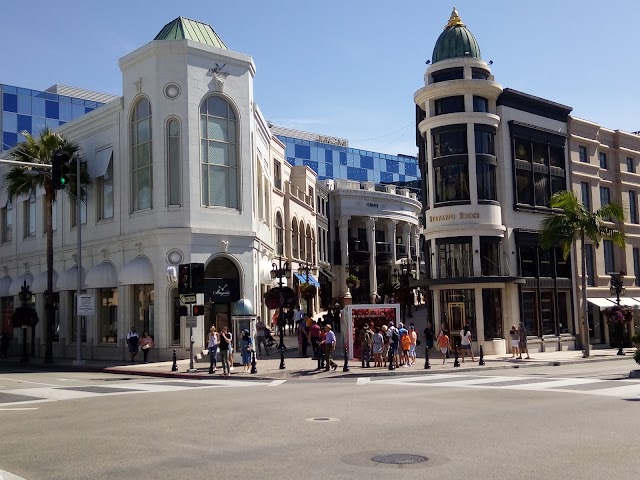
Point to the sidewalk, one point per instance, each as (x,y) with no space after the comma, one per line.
(268,367)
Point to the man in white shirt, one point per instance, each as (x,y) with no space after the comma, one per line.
(260,338)
(329,345)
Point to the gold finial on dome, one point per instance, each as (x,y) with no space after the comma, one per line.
(454,20)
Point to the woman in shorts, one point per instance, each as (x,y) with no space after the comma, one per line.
(465,342)
(443,345)
(515,341)
(378,347)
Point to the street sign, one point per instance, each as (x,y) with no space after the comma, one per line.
(188,298)
(191,321)
(86,305)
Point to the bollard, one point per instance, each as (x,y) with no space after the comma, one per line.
(211,358)
(174,367)
(481,362)
(345,368)
(456,363)
(391,365)
(254,369)
(427,365)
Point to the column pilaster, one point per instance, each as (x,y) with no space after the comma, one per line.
(373,279)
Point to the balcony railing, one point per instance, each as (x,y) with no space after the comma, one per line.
(401,251)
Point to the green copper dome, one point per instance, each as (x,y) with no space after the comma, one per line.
(455,42)
(186,29)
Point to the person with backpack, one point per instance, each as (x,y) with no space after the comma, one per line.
(132,341)
(366,338)
(394,340)
(405,344)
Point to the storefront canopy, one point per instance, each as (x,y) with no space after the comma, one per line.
(103,275)
(40,282)
(5,285)
(97,166)
(18,282)
(303,279)
(627,302)
(600,302)
(138,271)
(68,279)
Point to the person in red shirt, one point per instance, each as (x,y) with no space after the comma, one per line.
(314,336)
(443,345)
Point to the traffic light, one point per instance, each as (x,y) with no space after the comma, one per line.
(183,311)
(198,310)
(60,169)
(184,278)
(197,278)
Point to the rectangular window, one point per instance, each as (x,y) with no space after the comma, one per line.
(492,307)
(585,190)
(451,183)
(603,160)
(455,259)
(74,321)
(530,313)
(633,207)
(277,175)
(108,306)
(480,104)
(104,189)
(449,105)
(591,279)
(631,167)
(30,216)
(583,154)
(490,256)
(609,259)
(6,219)
(636,265)
(605,196)
(74,212)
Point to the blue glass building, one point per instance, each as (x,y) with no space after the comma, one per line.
(29,110)
(332,158)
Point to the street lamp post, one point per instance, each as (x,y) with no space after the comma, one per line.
(404,276)
(617,288)
(280,271)
(304,270)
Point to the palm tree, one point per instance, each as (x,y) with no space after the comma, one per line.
(24,180)
(574,222)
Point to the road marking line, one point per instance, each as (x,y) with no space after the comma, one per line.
(33,383)
(275,383)
(4,475)
(363,380)
(18,409)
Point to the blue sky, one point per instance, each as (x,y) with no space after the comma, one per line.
(347,68)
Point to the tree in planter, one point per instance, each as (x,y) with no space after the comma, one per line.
(22,181)
(388,290)
(574,222)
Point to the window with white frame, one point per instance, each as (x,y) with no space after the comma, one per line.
(218,153)
(104,190)
(279,235)
(174,178)
(6,221)
(141,157)
(30,215)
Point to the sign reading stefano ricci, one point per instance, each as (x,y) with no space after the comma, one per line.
(453,216)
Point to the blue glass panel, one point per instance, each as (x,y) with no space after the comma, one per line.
(328,156)
(37,124)
(396,178)
(51,123)
(9,102)
(9,89)
(77,111)
(410,170)
(366,162)
(90,104)
(329,169)
(322,171)
(302,151)
(311,164)
(21,138)
(37,107)
(62,122)
(87,109)
(77,101)
(65,112)
(376,176)
(9,122)
(401,179)
(36,93)
(364,177)
(353,174)
(291,160)
(386,177)
(51,96)
(52,109)
(392,166)
(24,105)
(24,123)
(401,166)
(64,99)
(343,158)
(9,140)
(24,91)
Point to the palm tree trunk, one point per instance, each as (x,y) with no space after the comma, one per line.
(49,307)
(585,308)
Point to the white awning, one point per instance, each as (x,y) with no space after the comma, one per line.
(627,302)
(5,285)
(98,166)
(138,271)
(68,280)
(39,284)
(103,275)
(18,282)
(600,302)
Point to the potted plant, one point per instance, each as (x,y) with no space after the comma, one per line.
(353,281)
(618,315)
(307,290)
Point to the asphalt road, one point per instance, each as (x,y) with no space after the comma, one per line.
(500,425)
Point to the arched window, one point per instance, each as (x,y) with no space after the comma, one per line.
(218,153)
(174,180)
(294,238)
(141,160)
(279,235)
(303,243)
(310,253)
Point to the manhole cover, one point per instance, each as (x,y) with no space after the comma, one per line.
(399,459)
(321,419)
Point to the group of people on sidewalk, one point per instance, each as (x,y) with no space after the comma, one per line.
(223,342)
(135,343)
(388,343)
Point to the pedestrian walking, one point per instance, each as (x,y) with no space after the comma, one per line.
(394,341)
(405,344)
(522,345)
(413,335)
(225,346)
(298,315)
(366,339)
(246,349)
(260,337)
(515,341)
(336,316)
(212,345)
(385,345)
(429,335)
(133,340)
(146,343)
(377,347)
(465,343)
(329,345)
(443,345)
(314,336)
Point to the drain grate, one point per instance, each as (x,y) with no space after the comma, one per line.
(399,459)
(321,419)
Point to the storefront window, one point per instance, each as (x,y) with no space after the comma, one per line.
(449,140)
(74,321)
(492,309)
(449,105)
(490,256)
(458,310)
(486,180)
(176,331)
(108,304)
(529,312)
(143,309)
(455,259)
(6,310)
(452,183)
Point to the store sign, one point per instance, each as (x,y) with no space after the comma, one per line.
(222,290)
(453,216)
(86,305)
(341,142)
(373,205)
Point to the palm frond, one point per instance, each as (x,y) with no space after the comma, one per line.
(611,212)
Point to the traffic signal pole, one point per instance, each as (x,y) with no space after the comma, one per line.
(78,361)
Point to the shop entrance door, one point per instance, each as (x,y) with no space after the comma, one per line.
(455,321)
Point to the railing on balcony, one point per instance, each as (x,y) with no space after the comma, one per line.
(359,252)
(401,251)
(383,253)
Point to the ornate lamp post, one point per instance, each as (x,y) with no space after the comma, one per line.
(617,289)
(280,271)
(404,277)
(304,269)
